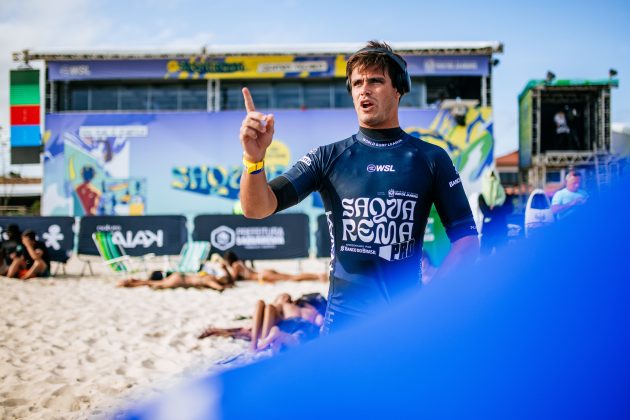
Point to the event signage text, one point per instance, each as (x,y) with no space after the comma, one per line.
(277,237)
(139,235)
(258,67)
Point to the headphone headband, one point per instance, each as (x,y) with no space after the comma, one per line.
(404,84)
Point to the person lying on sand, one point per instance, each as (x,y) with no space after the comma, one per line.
(198,280)
(240,271)
(281,324)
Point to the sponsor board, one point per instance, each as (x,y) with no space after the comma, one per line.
(139,235)
(277,237)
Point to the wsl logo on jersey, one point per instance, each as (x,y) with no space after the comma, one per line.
(385,223)
(380,168)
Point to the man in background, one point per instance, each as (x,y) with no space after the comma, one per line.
(567,199)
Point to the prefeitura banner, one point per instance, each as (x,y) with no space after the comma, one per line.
(277,237)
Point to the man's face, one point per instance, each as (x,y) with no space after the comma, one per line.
(375,98)
(573,183)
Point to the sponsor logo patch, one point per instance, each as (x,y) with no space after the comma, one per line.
(394,193)
(380,168)
(454,182)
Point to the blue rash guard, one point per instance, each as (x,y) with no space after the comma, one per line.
(377,195)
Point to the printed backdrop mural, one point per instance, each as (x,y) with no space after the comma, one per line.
(190,163)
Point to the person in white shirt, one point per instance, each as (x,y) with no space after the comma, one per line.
(565,200)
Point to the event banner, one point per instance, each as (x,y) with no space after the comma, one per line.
(253,67)
(138,235)
(190,163)
(277,237)
(234,67)
(57,233)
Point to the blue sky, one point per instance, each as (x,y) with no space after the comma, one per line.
(577,39)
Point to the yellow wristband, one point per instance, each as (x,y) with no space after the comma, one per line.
(253,167)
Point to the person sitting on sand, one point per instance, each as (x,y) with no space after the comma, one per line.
(3,266)
(240,271)
(283,323)
(5,260)
(10,239)
(31,258)
(198,280)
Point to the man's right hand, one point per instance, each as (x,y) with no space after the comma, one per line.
(256,131)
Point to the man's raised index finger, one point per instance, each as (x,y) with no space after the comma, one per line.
(249,102)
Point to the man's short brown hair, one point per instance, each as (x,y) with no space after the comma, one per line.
(573,172)
(362,60)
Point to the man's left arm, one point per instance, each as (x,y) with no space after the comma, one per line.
(454,210)
(464,251)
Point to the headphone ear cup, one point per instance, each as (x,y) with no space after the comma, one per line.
(404,81)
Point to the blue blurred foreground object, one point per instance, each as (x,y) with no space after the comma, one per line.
(541,331)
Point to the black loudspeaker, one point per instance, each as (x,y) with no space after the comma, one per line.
(403,84)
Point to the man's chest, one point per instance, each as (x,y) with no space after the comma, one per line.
(400,174)
(568,197)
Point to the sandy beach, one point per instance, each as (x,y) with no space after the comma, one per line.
(78,347)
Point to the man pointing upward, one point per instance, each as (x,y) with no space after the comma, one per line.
(377,185)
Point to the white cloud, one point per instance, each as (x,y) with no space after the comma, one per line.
(71,25)
(169,41)
(42,24)
(26,24)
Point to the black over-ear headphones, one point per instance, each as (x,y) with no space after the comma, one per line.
(403,82)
